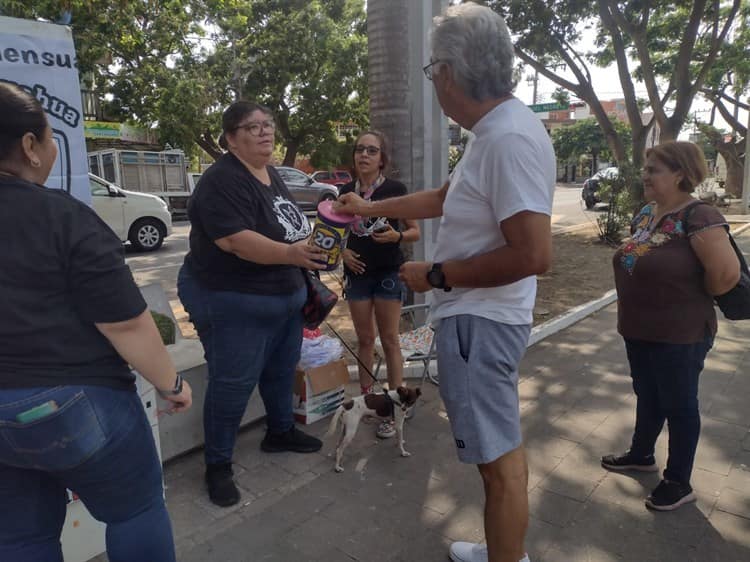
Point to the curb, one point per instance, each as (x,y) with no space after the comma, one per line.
(573,228)
(572,316)
(545,330)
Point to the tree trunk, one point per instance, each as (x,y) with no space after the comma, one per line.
(639,147)
(290,156)
(735,163)
(667,134)
(388,63)
(207,143)
(735,170)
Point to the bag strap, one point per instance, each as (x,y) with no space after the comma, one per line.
(740,256)
(689,211)
(743,264)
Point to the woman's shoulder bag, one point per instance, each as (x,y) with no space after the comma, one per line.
(734,304)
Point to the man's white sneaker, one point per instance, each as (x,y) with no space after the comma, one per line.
(468,552)
(473,552)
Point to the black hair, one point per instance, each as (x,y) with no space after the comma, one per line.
(235,114)
(22,114)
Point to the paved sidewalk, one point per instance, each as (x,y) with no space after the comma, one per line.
(577,404)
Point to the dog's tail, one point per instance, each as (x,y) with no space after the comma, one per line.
(334,421)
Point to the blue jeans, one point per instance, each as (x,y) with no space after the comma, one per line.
(247,339)
(665,381)
(98,444)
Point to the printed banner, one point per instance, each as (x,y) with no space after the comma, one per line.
(40,58)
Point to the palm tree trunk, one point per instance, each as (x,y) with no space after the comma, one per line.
(388,62)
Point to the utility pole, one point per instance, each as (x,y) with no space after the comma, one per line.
(535,81)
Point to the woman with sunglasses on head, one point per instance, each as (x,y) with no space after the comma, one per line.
(71,320)
(243,288)
(371,262)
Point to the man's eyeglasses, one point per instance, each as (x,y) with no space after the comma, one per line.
(428,69)
(371,150)
(255,128)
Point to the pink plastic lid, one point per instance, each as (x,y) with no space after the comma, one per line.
(325,209)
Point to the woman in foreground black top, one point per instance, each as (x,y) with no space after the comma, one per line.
(71,319)
(243,288)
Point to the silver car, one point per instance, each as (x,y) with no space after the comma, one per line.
(305,190)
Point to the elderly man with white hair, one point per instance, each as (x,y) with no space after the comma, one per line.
(494,238)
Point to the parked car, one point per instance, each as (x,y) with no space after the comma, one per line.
(306,191)
(334,177)
(141,218)
(590,194)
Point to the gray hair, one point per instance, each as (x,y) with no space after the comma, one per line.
(476,43)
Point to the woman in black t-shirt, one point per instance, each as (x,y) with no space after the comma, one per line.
(371,262)
(243,288)
(71,320)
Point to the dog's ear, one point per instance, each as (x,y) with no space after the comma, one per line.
(402,391)
(418,391)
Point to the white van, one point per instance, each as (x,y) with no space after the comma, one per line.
(142,218)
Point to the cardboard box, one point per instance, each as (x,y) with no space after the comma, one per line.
(319,391)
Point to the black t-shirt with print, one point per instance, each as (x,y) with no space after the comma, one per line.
(377,257)
(61,271)
(229,199)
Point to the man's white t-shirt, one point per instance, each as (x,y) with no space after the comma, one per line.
(508,167)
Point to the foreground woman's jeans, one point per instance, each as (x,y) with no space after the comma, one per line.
(98,444)
(248,340)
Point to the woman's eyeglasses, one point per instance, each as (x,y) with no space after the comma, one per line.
(371,150)
(255,128)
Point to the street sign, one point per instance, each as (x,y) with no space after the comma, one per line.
(552,106)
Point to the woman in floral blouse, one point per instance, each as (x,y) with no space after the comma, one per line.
(667,274)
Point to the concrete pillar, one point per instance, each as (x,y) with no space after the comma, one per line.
(429,127)
(403,104)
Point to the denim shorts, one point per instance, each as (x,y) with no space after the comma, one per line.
(478,367)
(376,285)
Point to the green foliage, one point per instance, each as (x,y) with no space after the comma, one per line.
(176,64)
(622,195)
(166,327)
(586,137)
(670,47)
(306,60)
(561,96)
(333,153)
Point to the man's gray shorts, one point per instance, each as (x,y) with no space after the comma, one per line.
(478,368)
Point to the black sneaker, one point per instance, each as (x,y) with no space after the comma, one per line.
(221,488)
(628,462)
(669,495)
(293,440)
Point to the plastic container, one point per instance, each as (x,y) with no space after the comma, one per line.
(330,233)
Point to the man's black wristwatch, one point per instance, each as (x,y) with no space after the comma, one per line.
(436,277)
(176,390)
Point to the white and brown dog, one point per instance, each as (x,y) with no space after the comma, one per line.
(385,404)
